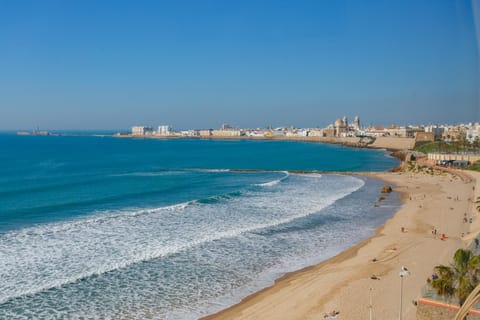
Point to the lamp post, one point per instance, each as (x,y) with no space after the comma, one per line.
(370,306)
(403,273)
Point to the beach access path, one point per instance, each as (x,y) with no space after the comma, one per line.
(344,283)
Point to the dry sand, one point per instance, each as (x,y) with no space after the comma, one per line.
(344,282)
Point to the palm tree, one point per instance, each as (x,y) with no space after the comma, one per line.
(476,144)
(460,278)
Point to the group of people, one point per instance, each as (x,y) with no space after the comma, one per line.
(465,220)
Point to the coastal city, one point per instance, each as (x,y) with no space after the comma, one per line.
(463,138)
(340,128)
(240,160)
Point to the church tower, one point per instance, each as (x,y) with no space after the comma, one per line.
(356,123)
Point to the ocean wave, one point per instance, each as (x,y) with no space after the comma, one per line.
(148,173)
(60,280)
(84,203)
(274,182)
(209,170)
(39,258)
(100,217)
(218,198)
(312,175)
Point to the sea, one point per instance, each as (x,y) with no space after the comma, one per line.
(97,227)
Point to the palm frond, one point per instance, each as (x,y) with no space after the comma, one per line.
(460,278)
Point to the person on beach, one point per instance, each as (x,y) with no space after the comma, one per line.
(332,314)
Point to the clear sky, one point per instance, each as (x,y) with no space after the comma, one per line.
(197,64)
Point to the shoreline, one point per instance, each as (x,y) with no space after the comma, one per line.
(390,144)
(290,276)
(311,292)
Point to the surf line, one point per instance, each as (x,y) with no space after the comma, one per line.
(345,173)
(297,171)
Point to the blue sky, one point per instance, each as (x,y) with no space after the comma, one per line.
(197,64)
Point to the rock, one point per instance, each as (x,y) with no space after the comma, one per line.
(386,189)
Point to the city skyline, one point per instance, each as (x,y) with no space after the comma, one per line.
(252,64)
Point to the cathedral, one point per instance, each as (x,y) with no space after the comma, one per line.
(342,128)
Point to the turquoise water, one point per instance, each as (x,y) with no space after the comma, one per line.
(99,227)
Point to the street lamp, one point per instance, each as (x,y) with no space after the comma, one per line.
(370,306)
(403,273)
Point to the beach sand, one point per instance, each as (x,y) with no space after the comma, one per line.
(344,283)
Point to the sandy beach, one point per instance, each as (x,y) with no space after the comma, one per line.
(344,283)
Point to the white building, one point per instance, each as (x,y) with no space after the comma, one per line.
(302,133)
(189,133)
(315,133)
(472,135)
(164,130)
(141,131)
(258,133)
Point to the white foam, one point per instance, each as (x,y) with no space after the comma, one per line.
(210,170)
(147,174)
(52,255)
(274,182)
(270,183)
(309,175)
